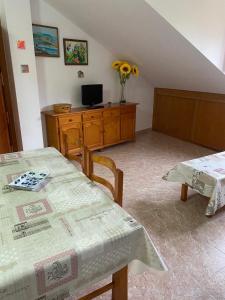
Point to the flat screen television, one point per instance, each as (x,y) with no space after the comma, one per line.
(91,94)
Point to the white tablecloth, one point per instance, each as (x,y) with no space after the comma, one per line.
(68,235)
(205,175)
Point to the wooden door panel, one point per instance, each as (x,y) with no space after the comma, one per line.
(93,134)
(4,133)
(127,126)
(181,118)
(210,124)
(12,137)
(174,116)
(74,138)
(160,117)
(111,130)
(53,132)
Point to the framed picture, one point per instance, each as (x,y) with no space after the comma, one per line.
(46,40)
(75,52)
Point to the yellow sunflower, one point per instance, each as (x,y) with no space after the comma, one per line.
(135,71)
(116,64)
(125,69)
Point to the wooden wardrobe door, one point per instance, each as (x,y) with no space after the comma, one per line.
(93,136)
(111,130)
(111,119)
(174,116)
(128,126)
(4,131)
(74,137)
(210,124)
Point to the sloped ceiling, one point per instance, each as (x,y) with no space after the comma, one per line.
(133,30)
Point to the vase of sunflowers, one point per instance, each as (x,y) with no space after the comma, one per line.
(124,70)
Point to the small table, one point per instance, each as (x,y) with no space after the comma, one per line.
(206,175)
(65,237)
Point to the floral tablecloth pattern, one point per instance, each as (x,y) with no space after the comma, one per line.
(205,175)
(68,235)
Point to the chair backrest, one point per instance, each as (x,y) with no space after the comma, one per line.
(73,140)
(117,190)
(87,160)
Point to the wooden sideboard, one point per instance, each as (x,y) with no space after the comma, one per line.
(96,128)
(192,116)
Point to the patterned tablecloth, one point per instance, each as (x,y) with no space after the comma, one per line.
(205,175)
(68,235)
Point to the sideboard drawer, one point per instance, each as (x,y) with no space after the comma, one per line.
(127,109)
(111,113)
(69,119)
(88,116)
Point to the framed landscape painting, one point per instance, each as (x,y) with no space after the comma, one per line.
(46,40)
(75,52)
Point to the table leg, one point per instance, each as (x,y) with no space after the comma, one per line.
(184,192)
(120,285)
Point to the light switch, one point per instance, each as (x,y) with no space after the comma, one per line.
(24,68)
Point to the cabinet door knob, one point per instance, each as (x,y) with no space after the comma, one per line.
(70,120)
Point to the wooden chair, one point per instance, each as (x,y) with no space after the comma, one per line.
(87,160)
(119,287)
(73,139)
(117,190)
(119,284)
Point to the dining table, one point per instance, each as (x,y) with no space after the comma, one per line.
(68,235)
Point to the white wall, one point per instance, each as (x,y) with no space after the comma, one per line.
(17,21)
(202,22)
(134,28)
(59,83)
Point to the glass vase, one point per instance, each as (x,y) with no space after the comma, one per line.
(122,95)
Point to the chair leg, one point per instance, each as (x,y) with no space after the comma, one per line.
(87,162)
(184,192)
(120,284)
(119,187)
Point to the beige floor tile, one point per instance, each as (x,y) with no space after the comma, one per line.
(193,246)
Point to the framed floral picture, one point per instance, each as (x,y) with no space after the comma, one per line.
(46,40)
(75,52)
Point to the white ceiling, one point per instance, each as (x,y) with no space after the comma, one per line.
(133,30)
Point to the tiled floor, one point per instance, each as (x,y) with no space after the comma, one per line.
(192,245)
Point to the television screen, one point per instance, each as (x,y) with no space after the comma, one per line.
(91,94)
